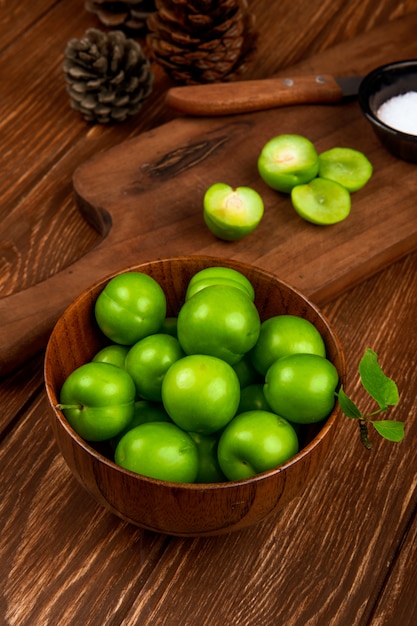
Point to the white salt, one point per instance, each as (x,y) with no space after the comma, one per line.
(400,112)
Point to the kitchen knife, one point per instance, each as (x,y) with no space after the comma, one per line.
(254,95)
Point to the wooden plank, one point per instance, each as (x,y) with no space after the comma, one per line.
(179,160)
(34,140)
(64,560)
(150,185)
(323,561)
(15,18)
(17,391)
(397,604)
(95,568)
(37,141)
(37,214)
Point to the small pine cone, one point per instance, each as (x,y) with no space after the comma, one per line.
(129,16)
(108,76)
(201,41)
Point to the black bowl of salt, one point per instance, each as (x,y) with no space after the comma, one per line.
(388,99)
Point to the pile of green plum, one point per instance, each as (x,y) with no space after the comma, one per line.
(211,395)
(319,186)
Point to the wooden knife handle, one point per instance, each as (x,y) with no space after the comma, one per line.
(253,95)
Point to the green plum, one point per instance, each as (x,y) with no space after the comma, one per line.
(219,320)
(232,213)
(288,160)
(98,400)
(200,393)
(131,306)
(159,450)
(254,442)
(114,353)
(252,398)
(208,464)
(321,201)
(346,166)
(148,360)
(281,335)
(221,274)
(301,387)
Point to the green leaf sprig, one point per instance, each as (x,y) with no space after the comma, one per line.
(385,393)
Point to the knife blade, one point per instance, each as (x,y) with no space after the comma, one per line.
(214,99)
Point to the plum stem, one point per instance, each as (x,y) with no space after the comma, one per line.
(61,407)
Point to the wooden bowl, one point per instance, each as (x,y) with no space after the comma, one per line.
(178,508)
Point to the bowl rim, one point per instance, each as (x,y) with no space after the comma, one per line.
(327,425)
(365,91)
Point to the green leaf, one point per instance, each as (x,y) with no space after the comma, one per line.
(382,389)
(389,429)
(347,405)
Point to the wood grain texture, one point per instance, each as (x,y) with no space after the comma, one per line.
(38,218)
(17,393)
(344,554)
(15,19)
(324,560)
(34,142)
(252,95)
(342,570)
(180,160)
(397,600)
(37,578)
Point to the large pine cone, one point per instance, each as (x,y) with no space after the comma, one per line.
(108,76)
(130,15)
(201,41)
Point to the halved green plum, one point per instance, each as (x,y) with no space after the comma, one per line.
(346,166)
(230,213)
(321,201)
(288,160)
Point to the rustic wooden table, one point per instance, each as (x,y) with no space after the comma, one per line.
(344,552)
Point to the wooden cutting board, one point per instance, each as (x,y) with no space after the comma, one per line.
(145,195)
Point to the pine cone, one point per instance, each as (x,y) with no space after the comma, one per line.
(201,41)
(108,76)
(129,16)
